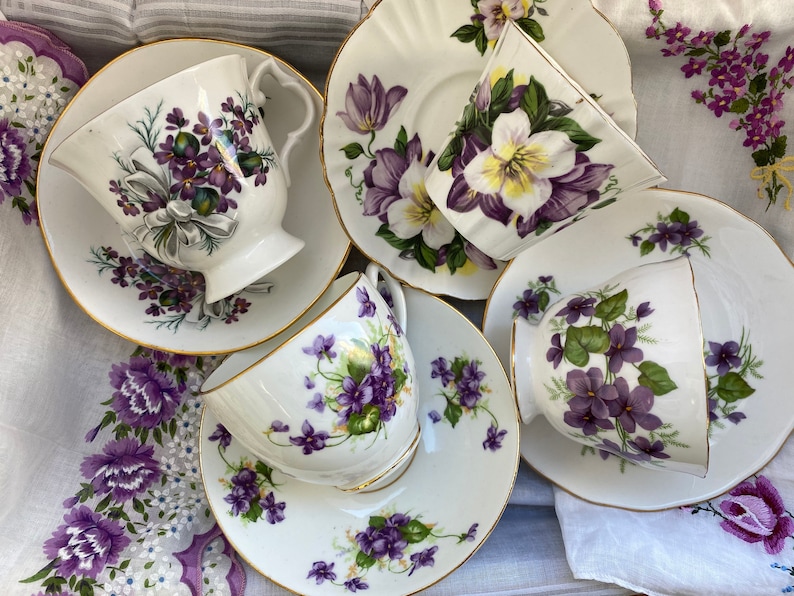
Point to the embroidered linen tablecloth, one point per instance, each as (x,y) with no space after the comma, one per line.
(99,480)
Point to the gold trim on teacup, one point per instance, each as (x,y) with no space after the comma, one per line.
(409,454)
(42,226)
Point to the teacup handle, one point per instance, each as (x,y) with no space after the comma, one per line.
(374,273)
(270,66)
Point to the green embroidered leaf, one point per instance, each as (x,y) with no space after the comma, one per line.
(611,308)
(740,106)
(762,157)
(535,102)
(353,150)
(580,342)
(576,133)
(722,38)
(696,52)
(655,377)
(414,531)
(779,147)
(757,84)
(732,387)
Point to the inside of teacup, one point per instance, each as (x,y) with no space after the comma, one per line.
(237,363)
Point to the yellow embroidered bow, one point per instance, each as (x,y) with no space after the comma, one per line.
(767,174)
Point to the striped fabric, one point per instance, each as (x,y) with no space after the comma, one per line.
(305,33)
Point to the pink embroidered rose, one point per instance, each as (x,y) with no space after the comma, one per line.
(756,513)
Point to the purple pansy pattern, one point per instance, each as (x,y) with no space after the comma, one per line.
(185,175)
(605,325)
(730,366)
(518,158)
(745,85)
(363,384)
(169,296)
(675,233)
(392,542)
(490,16)
(388,180)
(142,491)
(465,390)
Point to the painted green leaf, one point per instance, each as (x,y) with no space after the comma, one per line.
(467,33)
(450,152)
(613,307)
(394,240)
(732,387)
(532,28)
(377,521)
(414,531)
(543,301)
(679,216)
(353,150)
(580,342)
(535,102)
(365,422)
(501,93)
(656,378)
(576,133)
(453,412)
(364,561)
(425,256)
(646,247)
(401,142)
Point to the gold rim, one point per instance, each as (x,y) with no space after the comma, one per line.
(42,219)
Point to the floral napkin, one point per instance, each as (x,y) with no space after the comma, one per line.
(39,74)
(738,543)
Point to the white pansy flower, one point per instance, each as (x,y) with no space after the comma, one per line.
(518,165)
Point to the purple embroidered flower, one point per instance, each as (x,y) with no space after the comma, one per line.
(144,396)
(14,162)
(368,106)
(321,347)
(125,468)
(440,370)
(274,511)
(589,392)
(494,438)
(621,347)
(576,307)
(311,440)
(367,308)
(322,571)
(632,407)
(756,513)
(223,436)
(86,543)
(423,559)
(723,356)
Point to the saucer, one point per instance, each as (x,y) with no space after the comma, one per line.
(743,280)
(98,266)
(433,518)
(405,51)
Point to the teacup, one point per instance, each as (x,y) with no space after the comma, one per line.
(620,368)
(187,167)
(531,153)
(336,402)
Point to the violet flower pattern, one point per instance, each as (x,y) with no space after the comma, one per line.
(388,183)
(185,175)
(465,392)
(170,297)
(518,157)
(363,387)
(251,490)
(675,233)
(730,366)
(490,16)
(745,85)
(392,542)
(605,325)
(534,301)
(142,487)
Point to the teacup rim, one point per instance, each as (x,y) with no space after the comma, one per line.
(304,322)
